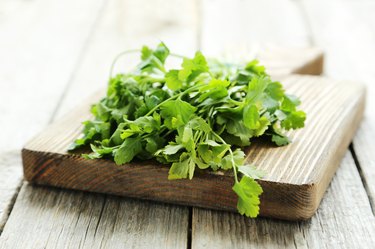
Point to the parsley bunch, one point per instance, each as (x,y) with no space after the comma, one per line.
(197,117)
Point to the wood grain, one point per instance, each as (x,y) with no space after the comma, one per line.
(328,27)
(127,25)
(297,174)
(57,218)
(33,35)
(343,220)
(34,41)
(284,61)
(252,29)
(107,222)
(337,224)
(242,28)
(11,177)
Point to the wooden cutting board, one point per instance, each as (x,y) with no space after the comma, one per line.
(297,174)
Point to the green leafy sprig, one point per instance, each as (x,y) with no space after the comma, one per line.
(197,117)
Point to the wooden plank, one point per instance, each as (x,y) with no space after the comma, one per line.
(53,218)
(343,220)
(145,23)
(337,224)
(34,41)
(130,25)
(364,148)
(11,176)
(350,57)
(298,174)
(108,222)
(34,34)
(242,27)
(239,30)
(253,30)
(284,61)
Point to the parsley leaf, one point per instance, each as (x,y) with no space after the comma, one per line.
(248,191)
(193,67)
(128,150)
(176,112)
(172,80)
(197,117)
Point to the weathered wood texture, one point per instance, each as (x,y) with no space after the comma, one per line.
(337,222)
(251,24)
(120,26)
(252,29)
(37,43)
(10,181)
(343,220)
(53,218)
(241,28)
(298,174)
(350,57)
(127,25)
(284,61)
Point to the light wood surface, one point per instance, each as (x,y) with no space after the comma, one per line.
(325,23)
(11,177)
(297,174)
(28,66)
(252,29)
(112,35)
(343,220)
(344,206)
(357,16)
(70,219)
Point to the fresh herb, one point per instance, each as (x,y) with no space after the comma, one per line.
(194,118)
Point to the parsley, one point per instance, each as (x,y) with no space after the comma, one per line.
(197,117)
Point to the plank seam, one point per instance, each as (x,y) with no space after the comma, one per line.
(10,207)
(300,225)
(100,215)
(363,178)
(189,231)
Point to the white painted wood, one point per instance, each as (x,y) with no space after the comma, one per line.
(346,32)
(11,176)
(344,220)
(97,221)
(128,25)
(69,219)
(343,28)
(297,174)
(241,28)
(39,50)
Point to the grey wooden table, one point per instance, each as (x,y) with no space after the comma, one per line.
(55,53)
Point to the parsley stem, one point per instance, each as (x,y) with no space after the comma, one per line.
(161,103)
(231,154)
(234,165)
(171,98)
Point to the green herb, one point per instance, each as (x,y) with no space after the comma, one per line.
(197,117)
